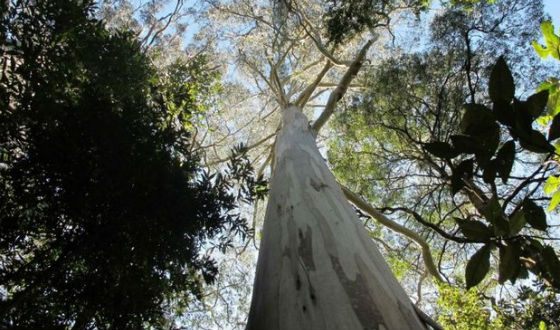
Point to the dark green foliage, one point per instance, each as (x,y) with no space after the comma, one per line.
(554,131)
(478,266)
(536,142)
(501,86)
(505,159)
(534,214)
(474,229)
(103,208)
(517,222)
(552,265)
(441,149)
(537,103)
(481,124)
(463,171)
(529,308)
(465,144)
(494,215)
(509,265)
(346,18)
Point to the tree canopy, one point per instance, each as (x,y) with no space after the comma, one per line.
(117,123)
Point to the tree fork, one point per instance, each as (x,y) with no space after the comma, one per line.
(317,266)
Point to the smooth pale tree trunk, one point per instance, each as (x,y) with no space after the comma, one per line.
(317,266)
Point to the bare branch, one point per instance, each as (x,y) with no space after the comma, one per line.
(426,319)
(169,17)
(435,227)
(381,218)
(342,87)
(252,146)
(306,94)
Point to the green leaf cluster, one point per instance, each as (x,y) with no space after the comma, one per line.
(464,310)
(530,309)
(552,42)
(104,208)
(344,19)
(481,124)
(552,116)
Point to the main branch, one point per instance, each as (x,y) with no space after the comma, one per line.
(342,87)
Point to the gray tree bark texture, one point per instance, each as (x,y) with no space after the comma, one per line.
(317,266)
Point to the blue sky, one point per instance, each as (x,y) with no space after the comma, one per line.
(552,7)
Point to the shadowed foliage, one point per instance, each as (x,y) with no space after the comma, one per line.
(103,208)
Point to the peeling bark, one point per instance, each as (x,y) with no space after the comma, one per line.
(317,267)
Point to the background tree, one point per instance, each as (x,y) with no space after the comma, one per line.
(387,135)
(532,309)
(104,207)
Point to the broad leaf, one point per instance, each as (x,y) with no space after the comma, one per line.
(501,87)
(465,144)
(555,201)
(474,230)
(492,209)
(477,118)
(504,113)
(479,123)
(509,262)
(552,42)
(554,131)
(517,222)
(534,215)
(463,171)
(551,185)
(489,174)
(494,214)
(505,159)
(536,245)
(536,142)
(536,103)
(488,140)
(552,264)
(441,149)
(478,266)
(457,183)
(523,120)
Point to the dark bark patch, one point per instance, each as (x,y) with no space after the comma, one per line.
(317,185)
(362,303)
(298,282)
(312,296)
(305,248)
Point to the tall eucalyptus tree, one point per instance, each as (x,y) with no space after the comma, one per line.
(279,66)
(317,267)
